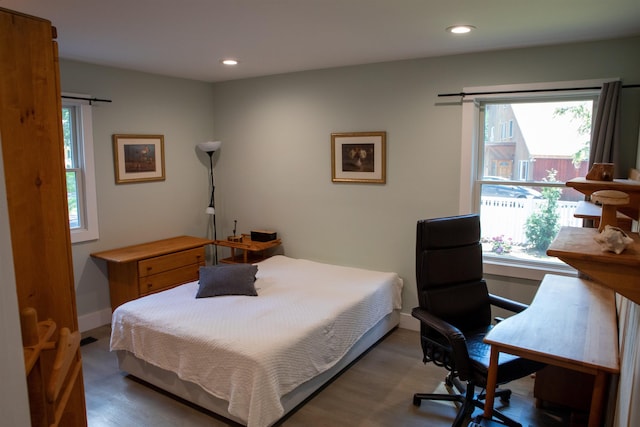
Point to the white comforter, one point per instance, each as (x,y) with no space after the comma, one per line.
(251,351)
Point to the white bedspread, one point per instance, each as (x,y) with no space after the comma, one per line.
(251,351)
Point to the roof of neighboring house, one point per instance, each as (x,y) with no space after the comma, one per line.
(547,135)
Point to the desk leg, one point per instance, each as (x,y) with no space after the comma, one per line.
(492,379)
(597,399)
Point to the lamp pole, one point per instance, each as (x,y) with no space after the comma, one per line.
(210,147)
(212,206)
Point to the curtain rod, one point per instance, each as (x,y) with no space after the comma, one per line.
(463,94)
(86,99)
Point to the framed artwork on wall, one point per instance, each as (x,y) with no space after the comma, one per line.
(138,158)
(359,157)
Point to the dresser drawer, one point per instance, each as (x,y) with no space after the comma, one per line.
(168,279)
(172,261)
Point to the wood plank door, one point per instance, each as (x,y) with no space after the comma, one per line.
(33,156)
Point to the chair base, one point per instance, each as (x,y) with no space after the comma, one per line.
(467,402)
(479,421)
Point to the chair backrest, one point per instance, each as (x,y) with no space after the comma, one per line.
(449,271)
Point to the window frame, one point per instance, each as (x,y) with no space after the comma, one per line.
(471,156)
(85,172)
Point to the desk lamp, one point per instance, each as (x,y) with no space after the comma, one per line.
(211,147)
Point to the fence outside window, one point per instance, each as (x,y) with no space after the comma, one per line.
(507,217)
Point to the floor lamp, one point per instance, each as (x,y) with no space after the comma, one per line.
(211,147)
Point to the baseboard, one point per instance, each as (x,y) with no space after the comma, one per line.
(407,321)
(89,321)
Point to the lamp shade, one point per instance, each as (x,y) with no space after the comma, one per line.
(209,146)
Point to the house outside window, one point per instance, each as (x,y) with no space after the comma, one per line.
(80,175)
(517,184)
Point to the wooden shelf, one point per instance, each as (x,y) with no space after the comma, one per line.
(629,186)
(576,246)
(588,210)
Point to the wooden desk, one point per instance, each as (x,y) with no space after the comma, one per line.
(570,323)
(252,251)
(576,247)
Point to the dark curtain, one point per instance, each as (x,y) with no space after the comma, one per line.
(605,138)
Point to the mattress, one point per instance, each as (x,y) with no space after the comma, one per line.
(252,351)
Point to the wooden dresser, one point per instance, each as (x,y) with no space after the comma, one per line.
(139,270)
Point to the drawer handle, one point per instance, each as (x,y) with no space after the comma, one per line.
(149,285)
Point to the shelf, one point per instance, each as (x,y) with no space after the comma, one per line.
(251,258)
(629,186)
(576,246)
(588,210)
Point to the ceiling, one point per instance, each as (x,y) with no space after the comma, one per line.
(188,38)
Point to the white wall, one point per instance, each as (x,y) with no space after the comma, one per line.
(274,169)
(14,401)
(142,103)
(627,413)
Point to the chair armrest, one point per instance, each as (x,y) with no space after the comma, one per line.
(507,304)
(453,335)
(447,330)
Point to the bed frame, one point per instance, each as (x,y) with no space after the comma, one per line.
(193,393)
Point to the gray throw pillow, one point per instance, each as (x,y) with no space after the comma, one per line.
(227,279)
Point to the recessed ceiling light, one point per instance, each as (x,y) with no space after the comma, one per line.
(460,29)
(229,61)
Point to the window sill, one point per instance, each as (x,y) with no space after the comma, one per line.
(525,270)
(80,235)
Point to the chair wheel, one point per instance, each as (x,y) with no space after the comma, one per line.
(448,381)
(416,401)
(505,397)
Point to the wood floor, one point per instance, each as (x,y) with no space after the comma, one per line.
(375,392)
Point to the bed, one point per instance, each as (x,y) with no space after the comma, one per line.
(253,359)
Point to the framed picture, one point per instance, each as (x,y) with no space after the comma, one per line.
(138,158)
(359,157)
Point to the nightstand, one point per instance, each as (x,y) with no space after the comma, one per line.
(139,270)
(250,251)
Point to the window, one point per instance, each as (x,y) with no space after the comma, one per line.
(517,183)
(524,170)
(81,188)
(506,130)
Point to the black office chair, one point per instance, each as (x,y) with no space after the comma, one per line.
(455,314)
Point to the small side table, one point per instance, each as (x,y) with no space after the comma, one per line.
(250,251)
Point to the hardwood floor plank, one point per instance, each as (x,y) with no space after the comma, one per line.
(376,391)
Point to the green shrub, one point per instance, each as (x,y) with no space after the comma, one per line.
(542,226)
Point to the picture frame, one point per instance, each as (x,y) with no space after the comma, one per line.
(359,157)
(138,158)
